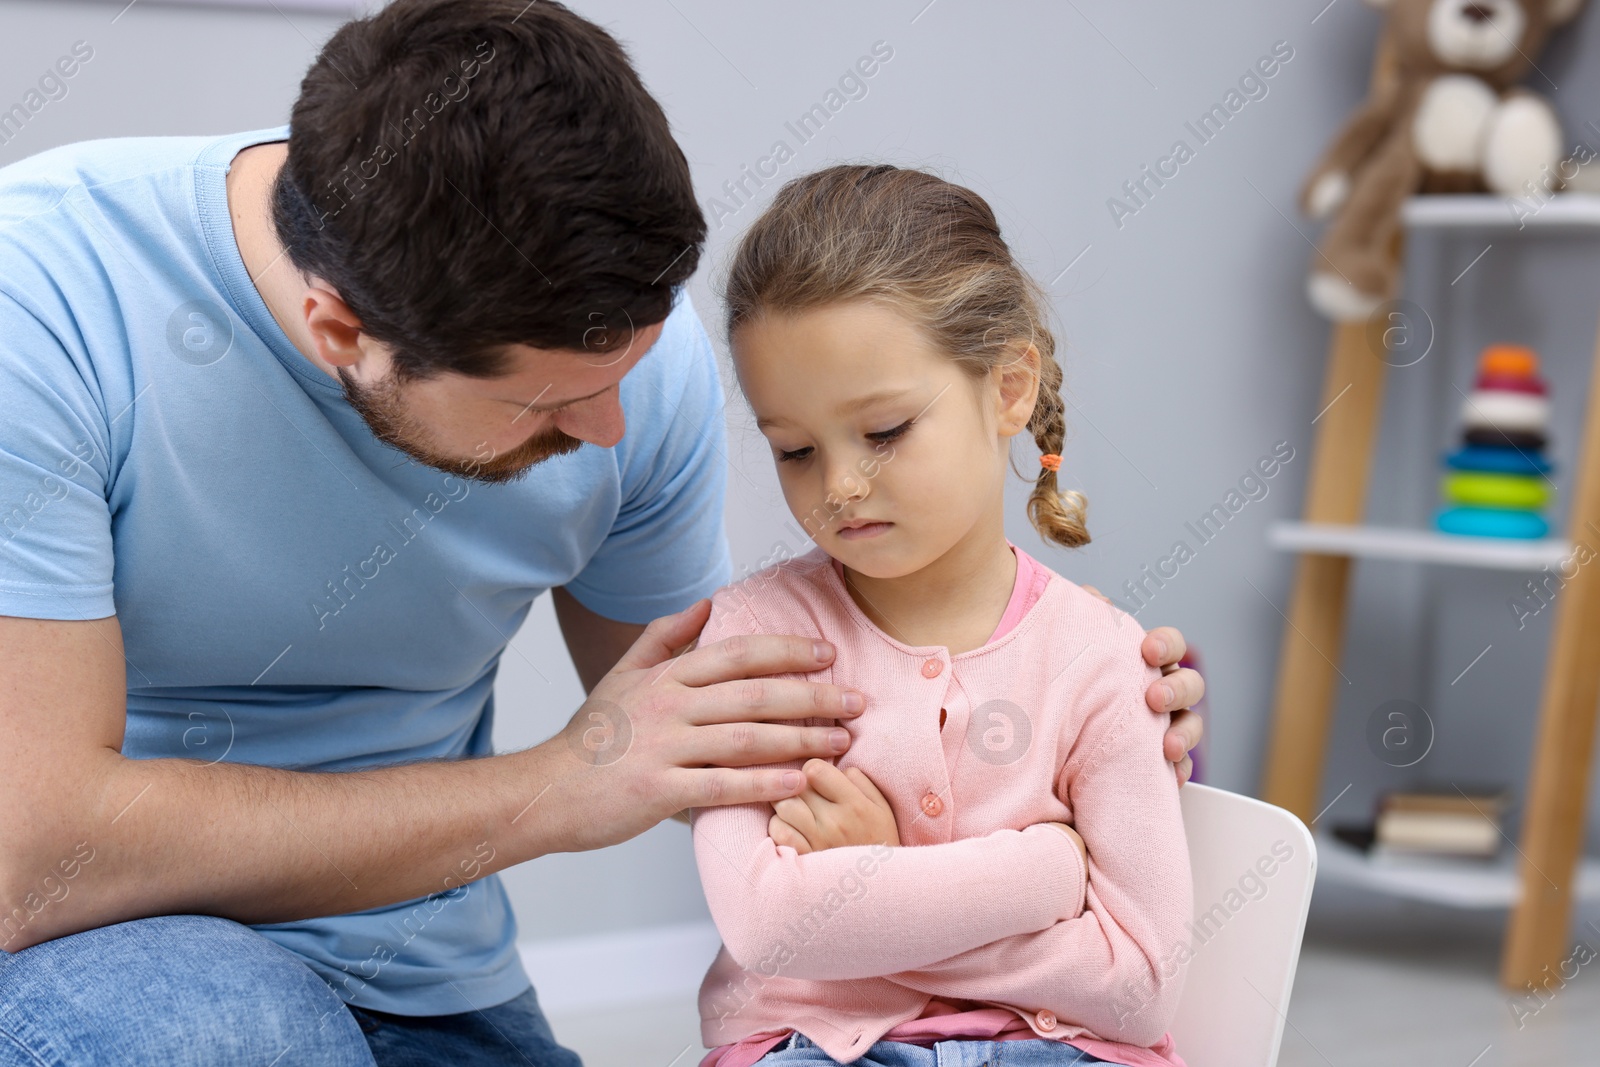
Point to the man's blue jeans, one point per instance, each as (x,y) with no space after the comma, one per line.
(197,991)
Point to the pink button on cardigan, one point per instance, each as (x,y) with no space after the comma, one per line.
(1045,723)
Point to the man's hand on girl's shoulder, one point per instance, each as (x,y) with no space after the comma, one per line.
(1179,689)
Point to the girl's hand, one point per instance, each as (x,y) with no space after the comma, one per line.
(835,808)
(1083,849)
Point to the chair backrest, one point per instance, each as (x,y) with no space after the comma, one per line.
(1253,866)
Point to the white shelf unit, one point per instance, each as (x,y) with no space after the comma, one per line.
(1564,211)
(1422,546)
(1456,883)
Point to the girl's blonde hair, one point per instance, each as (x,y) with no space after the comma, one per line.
(932,251)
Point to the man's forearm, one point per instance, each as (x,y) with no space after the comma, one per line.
(259,844)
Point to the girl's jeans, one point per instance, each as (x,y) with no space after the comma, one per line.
(198,991)
(801,1051)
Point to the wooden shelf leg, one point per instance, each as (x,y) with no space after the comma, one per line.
(1336,491)
(1304,699)
(1558,781)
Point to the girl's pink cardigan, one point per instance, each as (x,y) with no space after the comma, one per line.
(1046,723)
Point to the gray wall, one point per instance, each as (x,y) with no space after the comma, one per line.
(1189,349)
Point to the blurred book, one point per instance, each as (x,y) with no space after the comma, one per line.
(1445,822)
(1441,822)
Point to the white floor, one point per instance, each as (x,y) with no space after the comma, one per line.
(1391,983)
(1382,983)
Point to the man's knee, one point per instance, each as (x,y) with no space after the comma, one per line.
(173,990)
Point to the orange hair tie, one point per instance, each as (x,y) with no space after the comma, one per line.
(1050,461)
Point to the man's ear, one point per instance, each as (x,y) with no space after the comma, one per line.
(335,330)
(1018,379)
(1561,11)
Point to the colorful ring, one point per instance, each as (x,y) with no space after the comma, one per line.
(1517,360)
(1505,411)
(1492,522)
(1497,460)
(1508,384)
(1526,492)
(1523,441)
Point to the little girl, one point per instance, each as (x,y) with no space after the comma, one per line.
(925,901)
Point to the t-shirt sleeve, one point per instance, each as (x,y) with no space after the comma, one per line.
(667,547)
(56,558)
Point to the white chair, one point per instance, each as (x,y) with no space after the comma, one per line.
(1253,866)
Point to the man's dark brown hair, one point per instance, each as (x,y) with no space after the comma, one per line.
(469,174)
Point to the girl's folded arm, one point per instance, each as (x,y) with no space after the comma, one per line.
(1117,967)
(867,910)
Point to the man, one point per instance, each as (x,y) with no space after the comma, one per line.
(296,429)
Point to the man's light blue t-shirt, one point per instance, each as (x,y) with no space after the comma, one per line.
(291,591)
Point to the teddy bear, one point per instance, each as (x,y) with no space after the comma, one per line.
(1444,114)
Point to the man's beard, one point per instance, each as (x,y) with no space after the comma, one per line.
(380,407)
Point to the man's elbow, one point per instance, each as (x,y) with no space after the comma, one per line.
(45,869)
(13,923)
(17,933)
(28,911)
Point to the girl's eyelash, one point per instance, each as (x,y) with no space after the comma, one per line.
(879,437)
(883,436)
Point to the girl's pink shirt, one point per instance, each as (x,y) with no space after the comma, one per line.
(944,995)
